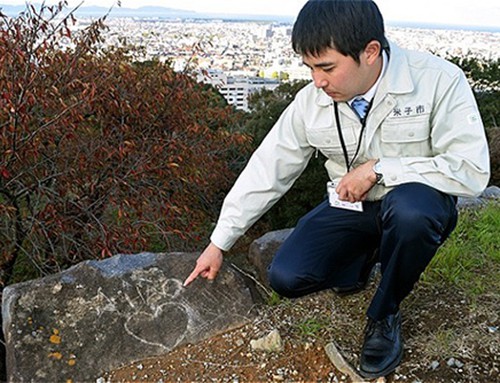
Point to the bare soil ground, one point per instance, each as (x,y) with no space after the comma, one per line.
(448,338)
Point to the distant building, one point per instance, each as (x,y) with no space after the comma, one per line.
(269,33)
(237,89)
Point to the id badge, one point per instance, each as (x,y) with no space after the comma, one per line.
(333,198)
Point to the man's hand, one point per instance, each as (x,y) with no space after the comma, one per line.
(207,265)
(356,184)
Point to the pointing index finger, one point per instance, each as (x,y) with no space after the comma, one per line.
(192,277)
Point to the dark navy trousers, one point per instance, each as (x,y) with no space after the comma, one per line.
(329,246)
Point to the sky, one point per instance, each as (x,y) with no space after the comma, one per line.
(458,12)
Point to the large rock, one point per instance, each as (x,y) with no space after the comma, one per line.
(100,315)
(490,194)
(262,250)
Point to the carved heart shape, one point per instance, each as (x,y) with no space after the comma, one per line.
(165,328)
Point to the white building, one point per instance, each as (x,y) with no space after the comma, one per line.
(237,89)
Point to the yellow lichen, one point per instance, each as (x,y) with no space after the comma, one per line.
(55,339)
(71,362)
(55,355)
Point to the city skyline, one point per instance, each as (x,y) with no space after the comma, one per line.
(452,12)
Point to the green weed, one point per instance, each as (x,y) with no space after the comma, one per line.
(470,259)
(312,327)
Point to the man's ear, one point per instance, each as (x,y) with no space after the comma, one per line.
(372,51)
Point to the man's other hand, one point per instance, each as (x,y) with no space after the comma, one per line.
(207,265)
(356,184)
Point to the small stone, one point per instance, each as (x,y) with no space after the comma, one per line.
(278,378)
(140,367)
(451,362)
(492,329)
(458,363)
(434,365)
(100,380)
(57,288)
(270,343)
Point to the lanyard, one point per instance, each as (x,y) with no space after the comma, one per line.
(348,163)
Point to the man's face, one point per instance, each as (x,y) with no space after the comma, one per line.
(341,77)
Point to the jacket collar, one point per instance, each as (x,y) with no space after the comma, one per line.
(397,78)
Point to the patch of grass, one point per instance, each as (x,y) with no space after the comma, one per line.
(441,344)
(312,327)
(274,299)
(470,259)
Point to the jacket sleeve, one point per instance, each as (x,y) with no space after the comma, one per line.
(460,163)
(269,174)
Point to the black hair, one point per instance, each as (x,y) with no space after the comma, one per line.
(345,25)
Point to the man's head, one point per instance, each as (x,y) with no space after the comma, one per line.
(342,42)
(344,25)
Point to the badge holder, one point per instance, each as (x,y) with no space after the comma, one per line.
(333,198)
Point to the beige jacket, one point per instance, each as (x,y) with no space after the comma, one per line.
(424,126)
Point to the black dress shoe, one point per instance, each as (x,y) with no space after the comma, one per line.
(364,278)
(383,347)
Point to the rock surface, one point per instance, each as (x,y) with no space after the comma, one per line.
(100,315)
(490,194)
(262,250)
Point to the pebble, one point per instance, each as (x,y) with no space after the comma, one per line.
(452,362)
(492,329)
(270,343)
(434,365)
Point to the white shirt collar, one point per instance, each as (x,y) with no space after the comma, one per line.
(368,96)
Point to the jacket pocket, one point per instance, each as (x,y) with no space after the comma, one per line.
(328,142)
(406,137)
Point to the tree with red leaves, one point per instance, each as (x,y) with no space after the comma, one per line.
(100,154)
